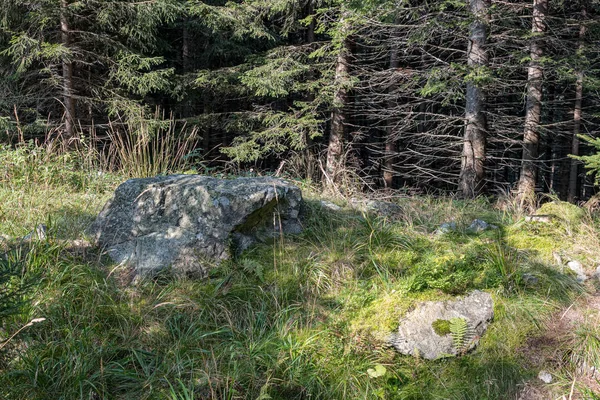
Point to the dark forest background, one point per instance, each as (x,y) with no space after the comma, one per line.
(449,96)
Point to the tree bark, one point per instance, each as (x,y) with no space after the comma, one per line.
(206,136)
(390,140)
(67,72)
(308,141)
(310,34)
(337,135)
(186,66)
(531,136)
(185,47)
(472,175)
(574,168)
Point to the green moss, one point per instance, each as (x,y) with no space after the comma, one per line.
(441,327)
(379,317)
(451,270)
(562,210)
(540,240)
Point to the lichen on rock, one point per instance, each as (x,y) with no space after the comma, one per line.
(192,222)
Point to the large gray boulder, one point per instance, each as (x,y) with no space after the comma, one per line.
(191,222)
(444,328)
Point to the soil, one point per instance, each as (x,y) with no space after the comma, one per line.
(555,350)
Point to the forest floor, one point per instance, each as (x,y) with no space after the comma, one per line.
(301,317)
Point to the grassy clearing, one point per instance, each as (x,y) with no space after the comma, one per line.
(64,191)
(304,317)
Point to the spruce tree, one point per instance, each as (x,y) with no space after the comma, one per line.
(85,59)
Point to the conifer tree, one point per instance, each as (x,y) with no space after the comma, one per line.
(531,137)
(337,135)
(472,175)
(95,55)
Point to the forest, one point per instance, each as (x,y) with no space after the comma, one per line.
(452,96)
(299,199)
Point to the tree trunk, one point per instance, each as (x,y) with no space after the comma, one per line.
(185,63)
(206,135)
(472,175)
(185,47)
(310,34)
(308,141)
(574,168)
(531,136)
(390,140)
(337,135)
(67,72)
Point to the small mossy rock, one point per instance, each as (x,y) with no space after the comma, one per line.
(446,227)
(545,377)
(425,330)
(191,222)
(330,206)
(563,211)
(544,219)
(377,207)
(479,225)
(577,268)
(530,279)
(597,272)
(39,233)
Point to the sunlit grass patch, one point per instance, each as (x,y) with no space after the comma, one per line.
(296,317)
(59,190)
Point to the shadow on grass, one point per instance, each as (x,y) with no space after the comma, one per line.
(279,321)
(467,378)
(70,223)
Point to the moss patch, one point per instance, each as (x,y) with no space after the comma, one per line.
(441,327)
(562,210)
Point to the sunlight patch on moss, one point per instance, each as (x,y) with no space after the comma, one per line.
(380,317)
(564,211)
(543,243)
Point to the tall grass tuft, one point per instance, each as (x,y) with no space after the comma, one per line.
(149,147)
(14,285)
(506,262)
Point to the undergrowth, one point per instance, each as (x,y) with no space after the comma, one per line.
(303,317)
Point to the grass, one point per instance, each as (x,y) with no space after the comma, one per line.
(303,317)
(145,147)
(62,191)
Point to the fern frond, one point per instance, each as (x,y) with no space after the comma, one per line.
(459,329)
(253,267)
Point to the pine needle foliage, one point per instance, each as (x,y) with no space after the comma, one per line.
(110,46)
(591,162)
